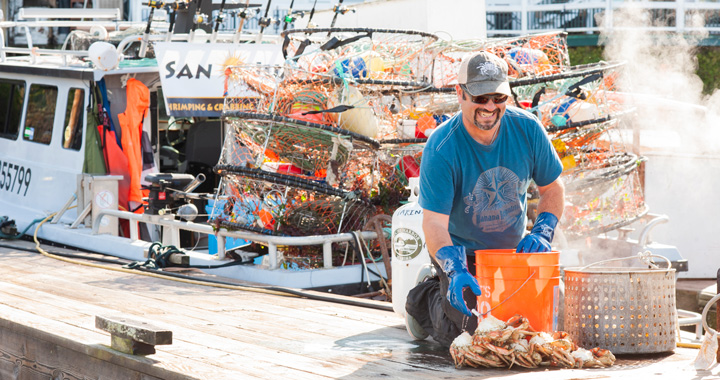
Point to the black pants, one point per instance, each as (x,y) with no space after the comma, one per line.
(427,303)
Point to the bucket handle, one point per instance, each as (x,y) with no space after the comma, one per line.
(642,256)
(477,313)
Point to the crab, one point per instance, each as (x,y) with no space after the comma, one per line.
(603,356)
(464,352)
(523,354)
(554,352)
(498,344)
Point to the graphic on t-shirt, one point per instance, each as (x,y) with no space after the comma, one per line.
(494,200)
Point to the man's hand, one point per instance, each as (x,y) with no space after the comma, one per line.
(454,263)
(541,235)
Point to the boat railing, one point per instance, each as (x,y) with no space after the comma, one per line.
(528,16)
(90,19)
(171,234)
(82,19)
(69,13)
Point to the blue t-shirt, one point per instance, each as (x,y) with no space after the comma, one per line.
(483,188)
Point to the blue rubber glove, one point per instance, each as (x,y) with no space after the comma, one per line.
(454,264)
(541,235)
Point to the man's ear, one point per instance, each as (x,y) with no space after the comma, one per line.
(460,92)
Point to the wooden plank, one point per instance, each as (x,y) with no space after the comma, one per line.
(262,325)
(230,341)
(184,357)
(50,305)
(245,346)
(80,342)
(315,323)
(281,310)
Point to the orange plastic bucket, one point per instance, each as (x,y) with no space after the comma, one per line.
(519,283)
(518,272)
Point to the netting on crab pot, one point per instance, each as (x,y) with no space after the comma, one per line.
(411,116)
(367,55)
(583,95)
(590,146)
(279,204)
(397,163)
(527,56)
(250,88)
(299,148)
(603,199)
(314,97)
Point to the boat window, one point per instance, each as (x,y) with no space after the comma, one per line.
(40,113)
(12,94)
(72,136)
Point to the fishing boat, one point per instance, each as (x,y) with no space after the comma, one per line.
(69,114)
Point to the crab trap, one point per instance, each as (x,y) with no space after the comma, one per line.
(299,148)
(369,56)
(527,56)
(280,204)
(602,185)
(396,164)
(583,95)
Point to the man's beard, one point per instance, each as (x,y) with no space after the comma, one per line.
(485,126)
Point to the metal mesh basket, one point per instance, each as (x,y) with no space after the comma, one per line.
(624,310)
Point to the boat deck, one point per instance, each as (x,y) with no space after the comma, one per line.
(47,330)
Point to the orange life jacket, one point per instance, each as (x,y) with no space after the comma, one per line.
(116,163)
(131,122)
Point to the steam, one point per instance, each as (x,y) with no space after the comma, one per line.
(660,78)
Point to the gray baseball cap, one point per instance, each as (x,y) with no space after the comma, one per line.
(484,73)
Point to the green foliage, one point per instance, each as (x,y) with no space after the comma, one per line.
(581,55)
(708,58)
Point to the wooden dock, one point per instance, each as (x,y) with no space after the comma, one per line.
(48,309)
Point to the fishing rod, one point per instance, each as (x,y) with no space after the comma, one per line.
(243,15)
(338,9)
(171,13)
(312,13)
(304,43)
(197,20)
(172,9)
(289,17)
(264,22)
(146,36)
(218,20)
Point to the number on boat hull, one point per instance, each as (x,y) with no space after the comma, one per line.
(14,178)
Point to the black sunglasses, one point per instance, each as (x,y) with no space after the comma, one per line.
(483,99)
